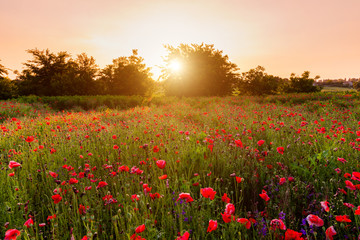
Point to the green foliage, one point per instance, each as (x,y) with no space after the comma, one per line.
(336,89)
(79,77)
(357,85)
(205,71)
(50,74)
(8,88)
(127,76)
(81,145)
(15,109)
(303,84)
(257,82)
(86,102)
(3,70)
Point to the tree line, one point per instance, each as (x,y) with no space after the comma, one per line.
(206,71)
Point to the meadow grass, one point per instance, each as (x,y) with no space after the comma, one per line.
(337,89)
(103,165)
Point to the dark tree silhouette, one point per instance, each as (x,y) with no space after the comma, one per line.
(8,88)
(3,70)
(78,78)
(50,74)
(40,73)
(205,71)
(303,84)
(127,76)
(257,82)
(357,85)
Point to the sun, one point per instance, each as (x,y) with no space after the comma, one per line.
(175,66)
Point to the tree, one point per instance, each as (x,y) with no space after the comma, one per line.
(257,82)
(303,84)
(356,85)
(205,71)
(8,88)
(40,72)
(50,74)
(127,76)
(3,70)
(78,78)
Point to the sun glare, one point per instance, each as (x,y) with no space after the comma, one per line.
(175,66)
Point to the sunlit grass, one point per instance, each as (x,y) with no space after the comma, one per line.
(206,143)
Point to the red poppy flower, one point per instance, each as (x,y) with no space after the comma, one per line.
(350,185)
(277,224)
(163,177)
(330,232)
(161,164)
(82,209)
(29,223)
(185,196)
(140,228)
(185,236)
(136,237)
(325,205)
(29,139)
(343,218)
(349,205)
(230,208)
(54,175)
(51,217)
(135,197)
(225,198)
(57,198)
(357,211)
(282,181)
(154,195)
(156,149)
(280,150)
(264,195)
(239,179)
(211,147)
(261,142)
(73,181)
(12,234)
(292,235)
(124,168)
(208,193)
(245,222)
(239,143)
(314,220)
(102,184)
(355,176)
(212,226)
(226,217)
(13,164)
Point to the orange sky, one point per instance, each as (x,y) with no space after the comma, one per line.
(284,36)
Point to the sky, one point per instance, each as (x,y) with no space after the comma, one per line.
(284,36)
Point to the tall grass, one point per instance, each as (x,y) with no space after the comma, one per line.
(206,143)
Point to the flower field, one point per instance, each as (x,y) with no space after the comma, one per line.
(191,168)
